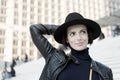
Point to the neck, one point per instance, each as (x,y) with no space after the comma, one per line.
(81,51)
(83,54)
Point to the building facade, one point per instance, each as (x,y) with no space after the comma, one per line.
(17,15)
(114,5)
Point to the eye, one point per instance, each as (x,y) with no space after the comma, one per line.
(72,33)
(83,32)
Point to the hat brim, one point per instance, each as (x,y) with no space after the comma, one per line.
(91,25)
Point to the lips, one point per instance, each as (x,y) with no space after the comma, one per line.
(79,44)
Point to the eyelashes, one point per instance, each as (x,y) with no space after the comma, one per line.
(75,33)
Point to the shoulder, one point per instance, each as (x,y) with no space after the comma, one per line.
(102,66)
(104,69)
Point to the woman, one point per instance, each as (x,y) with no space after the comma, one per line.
(76,33)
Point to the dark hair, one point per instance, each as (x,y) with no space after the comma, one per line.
(65,43)
(64,40)
(90,40)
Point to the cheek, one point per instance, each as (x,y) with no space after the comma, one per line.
(86,40)
(70,41)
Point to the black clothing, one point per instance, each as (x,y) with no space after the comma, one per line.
(13,63)
(79,71)
(12,72)
(57,61)
(81,55)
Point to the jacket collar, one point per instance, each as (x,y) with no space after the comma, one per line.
(94,65)
(96,68)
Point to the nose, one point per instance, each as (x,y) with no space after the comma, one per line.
(79,37)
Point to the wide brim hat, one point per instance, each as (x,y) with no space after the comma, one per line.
(73,19)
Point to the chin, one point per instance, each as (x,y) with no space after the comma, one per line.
(80,49)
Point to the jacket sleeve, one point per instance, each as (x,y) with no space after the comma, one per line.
(37,31)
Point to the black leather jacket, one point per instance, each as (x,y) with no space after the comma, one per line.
(56,60)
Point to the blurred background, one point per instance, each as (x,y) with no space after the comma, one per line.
(16,16)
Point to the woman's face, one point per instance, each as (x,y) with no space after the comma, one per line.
(77,37)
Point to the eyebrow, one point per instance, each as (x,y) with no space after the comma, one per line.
(80,30)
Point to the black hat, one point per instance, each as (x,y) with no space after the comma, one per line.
(73,19)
